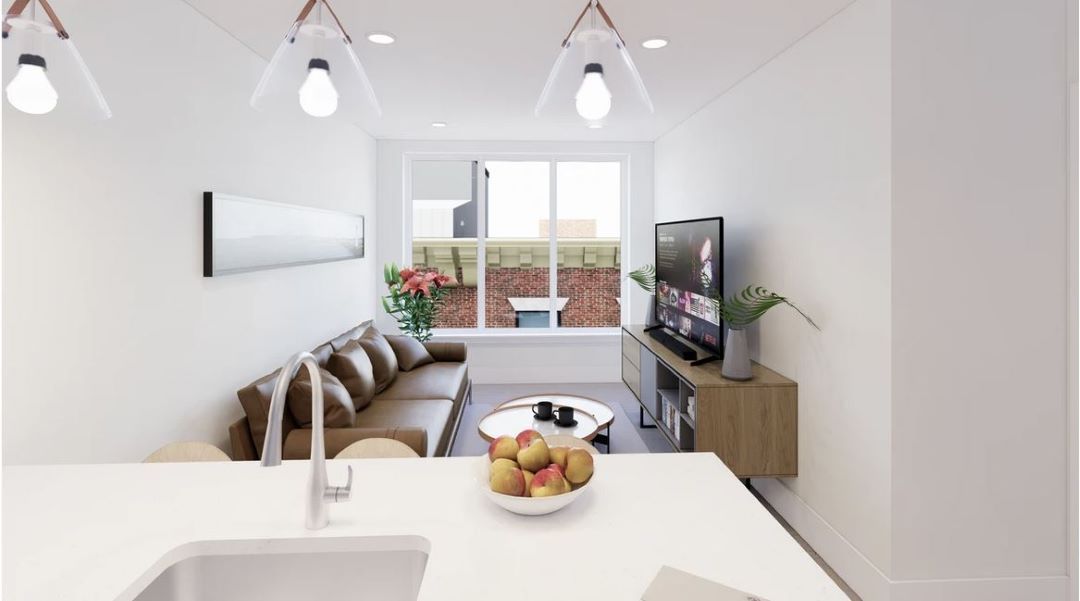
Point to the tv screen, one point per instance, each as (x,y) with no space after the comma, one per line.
(689,269)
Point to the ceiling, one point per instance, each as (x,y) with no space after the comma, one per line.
(479,65)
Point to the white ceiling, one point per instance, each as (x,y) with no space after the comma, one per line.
(479,65)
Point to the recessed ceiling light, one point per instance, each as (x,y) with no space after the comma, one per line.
(438,123)
(381,37)
(655,43)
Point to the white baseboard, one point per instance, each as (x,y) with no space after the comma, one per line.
(855,568)
(1044,588)
(872,584)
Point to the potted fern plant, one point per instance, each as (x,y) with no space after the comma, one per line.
(645,278)
(738,312)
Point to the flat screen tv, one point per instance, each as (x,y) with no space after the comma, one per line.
(689,269)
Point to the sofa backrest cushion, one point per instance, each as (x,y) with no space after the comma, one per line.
(322,353)
(255,399)
(352,366)
(383,361)
(410,352)
(354,333)
(338,411)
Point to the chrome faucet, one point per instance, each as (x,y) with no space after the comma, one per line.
(319,493)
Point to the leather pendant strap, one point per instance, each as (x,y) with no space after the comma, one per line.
(304,12)
(610,23)
(585,10)
(18,6)
(603,14)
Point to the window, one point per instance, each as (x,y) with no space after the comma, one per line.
(444,222)
(489,223)
(588,198)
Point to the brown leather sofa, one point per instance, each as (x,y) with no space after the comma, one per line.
(421,407)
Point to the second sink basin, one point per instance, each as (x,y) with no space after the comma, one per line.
(388,568)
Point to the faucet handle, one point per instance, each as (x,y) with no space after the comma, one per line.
(340,494)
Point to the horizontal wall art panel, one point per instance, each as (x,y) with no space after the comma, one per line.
(245,234)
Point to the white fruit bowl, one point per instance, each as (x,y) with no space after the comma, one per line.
(524,505)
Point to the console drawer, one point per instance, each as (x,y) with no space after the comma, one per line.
(631,349)
(632,376)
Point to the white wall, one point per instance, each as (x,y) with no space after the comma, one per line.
(796,160)
(113,342)
(980,299)
(528,358)
(902,173)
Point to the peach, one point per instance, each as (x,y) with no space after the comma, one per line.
(558,455)
(559,468)
(525,438)
(534,456)
(503,447)
(501,464)
(508,482)
(548,483)
(579,466)
(528,480)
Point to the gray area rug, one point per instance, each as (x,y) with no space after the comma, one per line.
(626,436)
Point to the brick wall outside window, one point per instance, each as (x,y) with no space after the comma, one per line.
(592,292)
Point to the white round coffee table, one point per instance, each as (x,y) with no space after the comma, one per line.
(508,421)
(600,411)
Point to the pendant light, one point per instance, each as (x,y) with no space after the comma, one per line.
(43,71)
(316,72)
(594,69)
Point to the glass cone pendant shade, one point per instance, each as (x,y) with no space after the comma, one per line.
(318,97)
(43,71)
(593,75)
(315,72)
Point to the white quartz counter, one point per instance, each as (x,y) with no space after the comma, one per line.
(102,532)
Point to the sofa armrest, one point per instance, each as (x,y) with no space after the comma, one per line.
(298,442)
(447,351)
(243,444)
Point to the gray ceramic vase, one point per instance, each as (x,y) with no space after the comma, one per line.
(650,317)
(736,356)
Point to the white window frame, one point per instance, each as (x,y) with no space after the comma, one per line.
(481,332)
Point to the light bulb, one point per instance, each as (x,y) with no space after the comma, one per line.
(318,97)
(593,100)
(30,90)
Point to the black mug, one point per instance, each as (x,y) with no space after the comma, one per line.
(566,416)
(542,410)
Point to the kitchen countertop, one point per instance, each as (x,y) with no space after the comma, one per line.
(102,532)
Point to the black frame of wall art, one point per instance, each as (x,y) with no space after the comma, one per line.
(241,235)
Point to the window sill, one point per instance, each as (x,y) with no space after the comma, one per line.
(537,336)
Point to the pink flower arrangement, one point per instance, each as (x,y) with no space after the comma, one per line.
(420,283)
(414,298)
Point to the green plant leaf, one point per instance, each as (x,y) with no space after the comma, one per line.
(644,277)
(748,305)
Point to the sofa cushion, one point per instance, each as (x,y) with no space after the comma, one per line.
(354,333)
(410,352)
(255,399)
(442,350)
(433,381)
(352,366)
(322,353)
(433,415)
(338,410)
(383,361)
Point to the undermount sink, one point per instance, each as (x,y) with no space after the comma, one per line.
(388,568)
